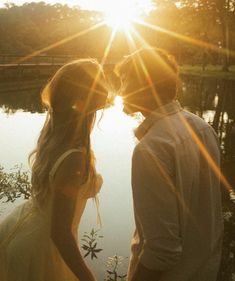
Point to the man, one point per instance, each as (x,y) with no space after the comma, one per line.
(175,177)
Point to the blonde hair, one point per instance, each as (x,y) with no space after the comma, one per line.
(72,97)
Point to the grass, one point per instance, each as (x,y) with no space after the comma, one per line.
(210,71)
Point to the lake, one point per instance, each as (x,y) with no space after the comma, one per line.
(113,142)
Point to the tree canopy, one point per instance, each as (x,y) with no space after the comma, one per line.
(34,26)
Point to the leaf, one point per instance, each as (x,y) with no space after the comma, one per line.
(83,239)
(86,254)
(93,255)
(85,247)
(98,250)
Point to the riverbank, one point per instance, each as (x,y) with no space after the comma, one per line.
(214,71)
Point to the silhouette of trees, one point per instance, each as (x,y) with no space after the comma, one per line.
(34,26)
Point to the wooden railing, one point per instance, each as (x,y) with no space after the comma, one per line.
(11,59)
(18,67)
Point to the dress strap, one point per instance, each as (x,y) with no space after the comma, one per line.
(61,159)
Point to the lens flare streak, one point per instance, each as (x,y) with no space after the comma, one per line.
(56,44)
(187,39)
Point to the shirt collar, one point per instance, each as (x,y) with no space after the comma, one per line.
(160,112)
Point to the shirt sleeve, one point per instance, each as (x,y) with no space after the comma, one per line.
(156,209)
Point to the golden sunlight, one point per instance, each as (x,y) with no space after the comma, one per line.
(121,14)
(118,103)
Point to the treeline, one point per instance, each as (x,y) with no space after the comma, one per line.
(34,26)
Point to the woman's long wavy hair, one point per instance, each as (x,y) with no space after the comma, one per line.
(72,97)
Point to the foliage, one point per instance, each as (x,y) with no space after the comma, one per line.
(213,71)
(227,268)
(14,184)
(90,245)
(113,266)
(34,26)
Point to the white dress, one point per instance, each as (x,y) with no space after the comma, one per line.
(27,253)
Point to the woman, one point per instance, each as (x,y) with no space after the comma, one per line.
(38,240)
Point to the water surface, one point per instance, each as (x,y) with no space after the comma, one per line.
(113,142)
(21,118)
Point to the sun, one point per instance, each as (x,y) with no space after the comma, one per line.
(118,102)
(122,13)
(119,17)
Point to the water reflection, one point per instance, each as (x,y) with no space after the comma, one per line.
(210,98)
(113,142)
(214,100)
(21,95)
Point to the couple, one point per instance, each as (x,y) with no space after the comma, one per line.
(176,191)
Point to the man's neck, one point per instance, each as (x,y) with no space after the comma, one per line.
(150,110)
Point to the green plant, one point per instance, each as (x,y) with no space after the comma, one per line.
(90,245)
(227,267)
(14,184)
(113,266)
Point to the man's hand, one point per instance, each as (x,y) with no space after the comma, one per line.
(144,274)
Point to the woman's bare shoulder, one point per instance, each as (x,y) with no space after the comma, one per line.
(71,172)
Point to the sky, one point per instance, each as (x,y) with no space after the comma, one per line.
(86,4)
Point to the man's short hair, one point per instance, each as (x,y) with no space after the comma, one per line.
(151,68)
